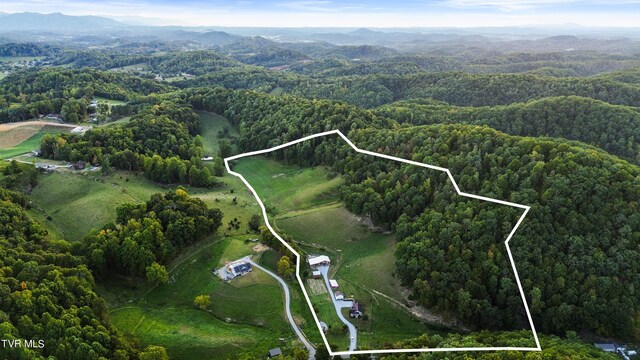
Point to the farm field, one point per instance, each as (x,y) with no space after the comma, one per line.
(246,315)
(304,204)
(23,137)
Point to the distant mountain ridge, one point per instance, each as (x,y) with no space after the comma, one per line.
(57,22)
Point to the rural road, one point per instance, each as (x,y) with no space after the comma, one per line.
(339,304)
(287,306)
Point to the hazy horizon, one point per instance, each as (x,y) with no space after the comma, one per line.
(350,14)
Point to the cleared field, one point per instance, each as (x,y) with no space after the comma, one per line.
(285,188)
(190,333)
(210,125)
(13,59)
(119,121)
(110,102)
(307,208)
(80,202)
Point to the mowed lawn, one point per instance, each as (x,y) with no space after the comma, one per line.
(210,124)
(246,314)
(308,209)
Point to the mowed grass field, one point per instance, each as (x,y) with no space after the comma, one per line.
(246,315)
(210,124)
(285,188)
(308,209)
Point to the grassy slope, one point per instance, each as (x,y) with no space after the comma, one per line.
(307,208)
(210,124)
(80,202)
(246,314)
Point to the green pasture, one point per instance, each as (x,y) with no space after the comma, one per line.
(210,124)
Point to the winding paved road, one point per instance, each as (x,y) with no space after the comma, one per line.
(339,304)
(287,307)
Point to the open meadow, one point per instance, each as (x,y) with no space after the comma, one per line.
(211,124)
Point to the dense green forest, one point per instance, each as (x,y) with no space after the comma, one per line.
(613,128)
(48,294)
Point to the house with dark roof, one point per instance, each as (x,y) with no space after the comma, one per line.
(356,310)
(239,268)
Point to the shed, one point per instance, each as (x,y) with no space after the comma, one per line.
(274,352)
(333,284)
(316,274)
(339,295)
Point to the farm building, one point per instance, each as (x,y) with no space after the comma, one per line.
(321,260)
(339,295)
(356,310)
(316,274)
(239,268)
(333,284)
(274,352)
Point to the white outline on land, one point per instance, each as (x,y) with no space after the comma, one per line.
(455,185)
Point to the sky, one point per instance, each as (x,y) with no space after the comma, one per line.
(347,13)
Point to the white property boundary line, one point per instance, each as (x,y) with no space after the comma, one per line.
(455,185)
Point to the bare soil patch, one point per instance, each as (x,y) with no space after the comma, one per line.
(260,247)
(316,286)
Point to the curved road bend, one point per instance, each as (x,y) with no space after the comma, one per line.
(287,306)
(339,304)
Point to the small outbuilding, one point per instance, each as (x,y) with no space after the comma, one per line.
(316,274)
(339,295)
(333,284)
(274,352)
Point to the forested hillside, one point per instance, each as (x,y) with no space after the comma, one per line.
(48,294)
(615,129)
